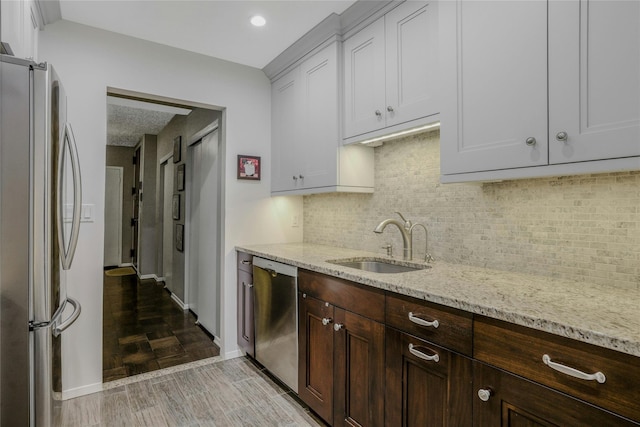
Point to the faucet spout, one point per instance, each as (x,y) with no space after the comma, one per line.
(406,235)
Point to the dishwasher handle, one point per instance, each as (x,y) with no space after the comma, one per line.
(275,268)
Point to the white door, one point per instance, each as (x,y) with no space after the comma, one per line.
(113,217)
(167,222)
(594,80)
(204,232)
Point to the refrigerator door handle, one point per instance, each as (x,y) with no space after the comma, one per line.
(64,325)
(69,143)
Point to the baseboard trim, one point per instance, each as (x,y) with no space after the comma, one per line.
(233,354)
(81,391)
(178,301)
(150,276)
(125,264)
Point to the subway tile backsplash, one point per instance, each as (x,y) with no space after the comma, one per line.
(584,227)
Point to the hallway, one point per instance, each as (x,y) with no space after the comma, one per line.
(145,330)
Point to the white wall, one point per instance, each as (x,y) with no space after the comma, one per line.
(90,60)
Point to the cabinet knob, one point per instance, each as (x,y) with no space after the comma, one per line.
(562,136)
(531,141)
(378,113)
(301,176)
(338,326)
(484,394)
(326,321)
(295,178)
(390,108)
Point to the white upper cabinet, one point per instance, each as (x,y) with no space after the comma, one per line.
(412,70)
(286,120)
(594,80)
(364,82)
(494,85)
(306,147)
(391,72)
(535,88)
(20,27)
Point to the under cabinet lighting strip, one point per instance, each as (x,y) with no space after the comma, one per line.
(401,133)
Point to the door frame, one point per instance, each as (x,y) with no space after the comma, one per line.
(165,162)
(194,139)
(120,170)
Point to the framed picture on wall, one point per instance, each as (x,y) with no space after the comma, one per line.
(180,237)
(248,167)
(175,206)
(180,178)
(177,149)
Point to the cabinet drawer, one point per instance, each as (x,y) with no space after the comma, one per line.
(454,329)
(245,262)
(520,350)
(360,299)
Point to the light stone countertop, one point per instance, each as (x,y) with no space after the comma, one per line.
(604,316)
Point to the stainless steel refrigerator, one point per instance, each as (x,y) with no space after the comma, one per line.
(40,206)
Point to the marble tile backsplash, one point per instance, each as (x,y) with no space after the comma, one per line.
(584,227)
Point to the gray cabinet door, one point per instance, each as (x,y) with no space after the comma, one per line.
(494,85)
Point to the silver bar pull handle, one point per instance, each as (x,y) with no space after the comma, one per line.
(421,355)
(69,143)
(245,262)
(422,322)
(64,325)
(598,376)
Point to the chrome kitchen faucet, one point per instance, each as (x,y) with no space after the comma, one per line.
(406,230)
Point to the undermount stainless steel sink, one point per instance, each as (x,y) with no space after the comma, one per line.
(378,265)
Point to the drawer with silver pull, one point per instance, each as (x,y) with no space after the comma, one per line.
(441,325)
(600,376)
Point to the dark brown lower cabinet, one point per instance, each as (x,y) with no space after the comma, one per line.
(245,334)
(341,364)
(427,385)
(502,399)
(359,370)
(315,355)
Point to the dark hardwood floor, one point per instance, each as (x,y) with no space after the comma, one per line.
(145,330)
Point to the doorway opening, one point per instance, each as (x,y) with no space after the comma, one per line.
(161,308)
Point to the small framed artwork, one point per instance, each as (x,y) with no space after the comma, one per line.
(175,206)
(177,149)
(180,237)
(248,167)
(180,178)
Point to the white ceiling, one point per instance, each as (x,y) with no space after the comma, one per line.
(218,28)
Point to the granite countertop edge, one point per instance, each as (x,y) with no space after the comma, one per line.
(600,315)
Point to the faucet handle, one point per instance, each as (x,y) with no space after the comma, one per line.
(407,224)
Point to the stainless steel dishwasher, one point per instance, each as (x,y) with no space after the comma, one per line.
(275,309)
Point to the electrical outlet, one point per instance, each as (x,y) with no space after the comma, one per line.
(295,220)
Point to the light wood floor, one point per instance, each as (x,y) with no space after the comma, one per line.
(234,392)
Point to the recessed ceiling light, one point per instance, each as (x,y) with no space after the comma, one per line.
(258,21)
